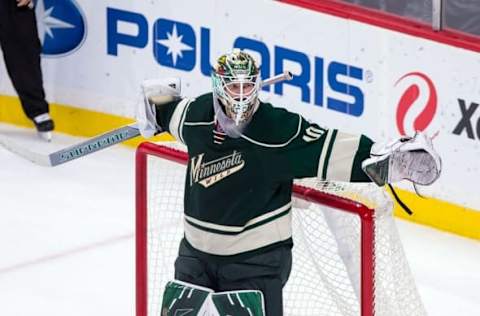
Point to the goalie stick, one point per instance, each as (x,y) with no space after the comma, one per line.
(96,143)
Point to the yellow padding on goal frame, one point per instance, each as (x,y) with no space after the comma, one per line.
(74,121)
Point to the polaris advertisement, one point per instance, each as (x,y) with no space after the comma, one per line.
(96,54)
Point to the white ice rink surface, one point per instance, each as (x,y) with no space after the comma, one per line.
(67,246)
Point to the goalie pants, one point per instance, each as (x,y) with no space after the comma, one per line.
(267,272)
(21,51)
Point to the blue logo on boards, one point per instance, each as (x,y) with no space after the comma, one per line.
(61,26)
(322,82)
(174,44)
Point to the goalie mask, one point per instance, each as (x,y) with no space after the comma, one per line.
(236,84)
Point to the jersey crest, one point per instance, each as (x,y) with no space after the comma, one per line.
(207,173)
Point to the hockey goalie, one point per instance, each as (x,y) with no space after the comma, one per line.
(244,154)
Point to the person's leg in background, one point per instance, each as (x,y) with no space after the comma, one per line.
(21,50)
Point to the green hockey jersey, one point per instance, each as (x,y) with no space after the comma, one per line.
(238,191)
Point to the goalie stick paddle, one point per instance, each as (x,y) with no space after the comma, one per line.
(96,143)
(75,151)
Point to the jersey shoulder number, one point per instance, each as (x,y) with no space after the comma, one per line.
(313,133)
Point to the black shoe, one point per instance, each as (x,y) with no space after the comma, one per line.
(44,125)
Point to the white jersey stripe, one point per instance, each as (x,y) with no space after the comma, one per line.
(272,232)
(321,161)
(178,116)
(341,160)
(199,123)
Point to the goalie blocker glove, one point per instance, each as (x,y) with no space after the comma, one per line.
(412,159)
(155,92)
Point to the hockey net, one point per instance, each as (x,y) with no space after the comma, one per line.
(347,255)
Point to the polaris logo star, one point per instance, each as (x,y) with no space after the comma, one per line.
(61,26)
(174,44)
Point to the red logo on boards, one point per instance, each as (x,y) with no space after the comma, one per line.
(409,97)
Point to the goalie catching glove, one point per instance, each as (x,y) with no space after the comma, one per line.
(155,92)
(412,159)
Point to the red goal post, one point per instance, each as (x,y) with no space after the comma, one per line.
(343,265)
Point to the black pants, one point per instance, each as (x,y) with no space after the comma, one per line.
(21,51)
(267,272)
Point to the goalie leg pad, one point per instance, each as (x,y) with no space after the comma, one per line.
(239,303)
(182,298)
(412,159)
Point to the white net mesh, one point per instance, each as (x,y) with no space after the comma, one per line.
(326,274)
